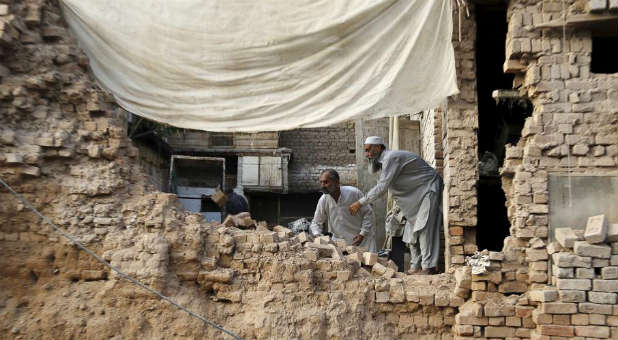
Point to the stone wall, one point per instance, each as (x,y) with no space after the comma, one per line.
(314,150)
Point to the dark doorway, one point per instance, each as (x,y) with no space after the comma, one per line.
(500,123)
(282,208)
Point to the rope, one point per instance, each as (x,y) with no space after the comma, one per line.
(569,175)
(107,264)
(569,168)
(564,18)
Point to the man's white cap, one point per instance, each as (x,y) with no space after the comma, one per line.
(375,140)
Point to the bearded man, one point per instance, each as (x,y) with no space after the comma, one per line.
(333,209)
(416,187)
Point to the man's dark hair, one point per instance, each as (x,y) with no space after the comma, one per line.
(333,175)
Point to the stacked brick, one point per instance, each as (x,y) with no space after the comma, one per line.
(460,142)
(583,299)
(496,307)
(43,81)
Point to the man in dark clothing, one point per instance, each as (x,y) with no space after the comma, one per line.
(230,202)
(235,204)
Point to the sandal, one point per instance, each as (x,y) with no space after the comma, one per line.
(413,271)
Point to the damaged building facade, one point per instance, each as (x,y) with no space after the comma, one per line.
(535,122)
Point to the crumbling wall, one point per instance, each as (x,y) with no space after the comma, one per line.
(314,150)
(460,147)
(65,149)
(573,129)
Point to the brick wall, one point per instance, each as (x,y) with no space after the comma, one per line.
(155,168)
(573,129)
(316,149)
(460,148)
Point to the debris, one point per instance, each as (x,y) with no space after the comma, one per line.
(300,225)
(478,262)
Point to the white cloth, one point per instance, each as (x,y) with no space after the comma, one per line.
(247,65)
(340,222)
(417,189)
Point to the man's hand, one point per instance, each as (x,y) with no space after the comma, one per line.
(357,240)
(354,208)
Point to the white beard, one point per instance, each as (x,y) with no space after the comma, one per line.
(374,166)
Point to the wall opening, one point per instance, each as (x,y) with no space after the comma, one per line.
(604,42)
(282,208)
(501,118)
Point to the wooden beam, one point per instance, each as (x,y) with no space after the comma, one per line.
(514,66)
(579,20)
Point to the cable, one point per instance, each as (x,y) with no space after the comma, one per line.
(107,264)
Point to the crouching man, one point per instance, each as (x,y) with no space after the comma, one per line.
(332,208)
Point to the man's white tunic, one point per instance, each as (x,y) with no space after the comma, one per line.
(340,222)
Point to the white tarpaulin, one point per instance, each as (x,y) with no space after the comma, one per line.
(265,65)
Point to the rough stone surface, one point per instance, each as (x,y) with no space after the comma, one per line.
(574,284)
(566,237)
(583,248)
(605,285)
(604,298)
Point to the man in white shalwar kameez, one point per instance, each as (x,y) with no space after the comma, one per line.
(417,189)
(332,208)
